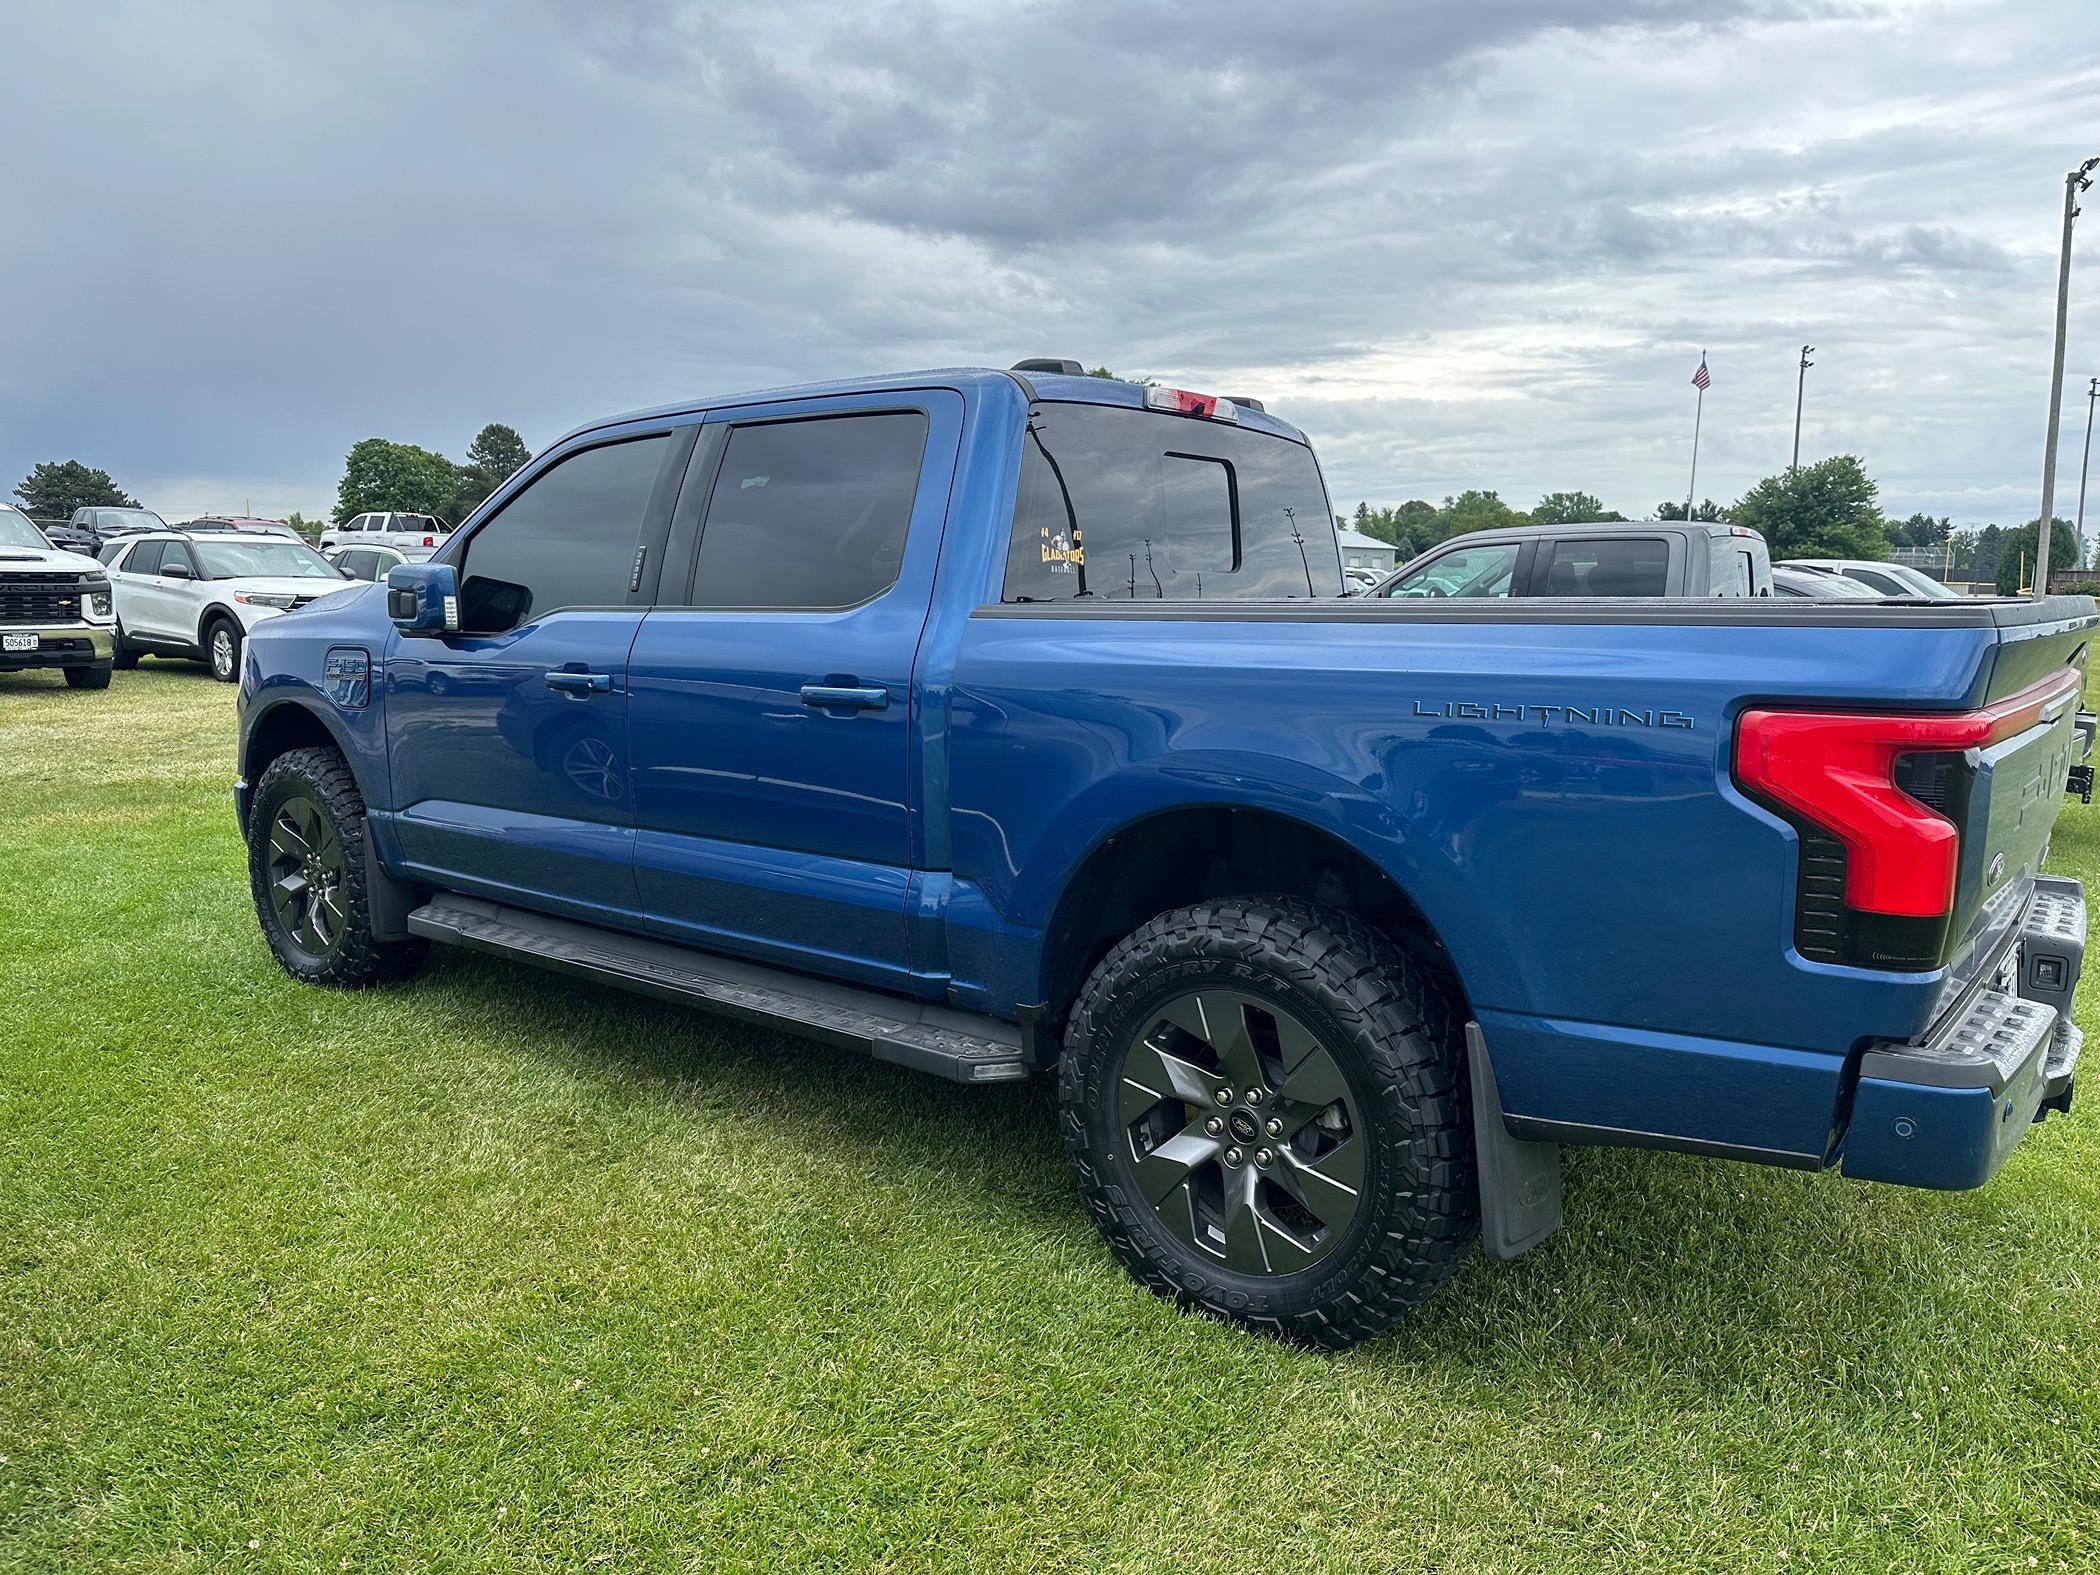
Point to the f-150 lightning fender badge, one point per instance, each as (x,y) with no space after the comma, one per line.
(1550,715)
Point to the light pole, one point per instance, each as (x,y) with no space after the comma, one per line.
(2045,529)
(2092,394)
(1800,388)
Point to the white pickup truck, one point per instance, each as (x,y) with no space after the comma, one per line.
(55,607)
(386,529)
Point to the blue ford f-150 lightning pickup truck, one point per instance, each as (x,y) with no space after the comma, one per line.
(1003,722)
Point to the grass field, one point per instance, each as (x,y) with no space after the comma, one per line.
(492,1270)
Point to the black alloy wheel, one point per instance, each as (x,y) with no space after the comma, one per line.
(1242,1133)
(305,871)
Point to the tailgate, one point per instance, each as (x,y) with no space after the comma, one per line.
(2005,794)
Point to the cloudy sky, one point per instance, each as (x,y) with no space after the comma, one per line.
(1474,244)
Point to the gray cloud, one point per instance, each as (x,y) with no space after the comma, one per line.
(1464,245)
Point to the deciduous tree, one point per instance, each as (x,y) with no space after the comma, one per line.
(379,474)
(1830,509)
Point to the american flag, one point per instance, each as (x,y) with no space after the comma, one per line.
(1700,380)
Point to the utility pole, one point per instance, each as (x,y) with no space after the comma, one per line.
(2045,529)
(1800,388)
(2092,395)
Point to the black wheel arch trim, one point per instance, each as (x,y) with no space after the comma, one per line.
(391,898)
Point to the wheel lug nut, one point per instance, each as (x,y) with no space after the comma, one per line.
(1234,1156)
(1256,1095)
(1224,1096)
(1273,1126)
(1264,1157)
(1214,1125)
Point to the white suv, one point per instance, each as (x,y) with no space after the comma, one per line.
(386,530)
(198,595)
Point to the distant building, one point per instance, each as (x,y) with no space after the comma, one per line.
(1366,552)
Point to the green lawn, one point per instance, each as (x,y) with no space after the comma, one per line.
(492,1270)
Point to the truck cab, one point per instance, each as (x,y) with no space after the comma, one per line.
(1643,558)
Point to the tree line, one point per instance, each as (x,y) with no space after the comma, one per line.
(1830,509)
(377,474)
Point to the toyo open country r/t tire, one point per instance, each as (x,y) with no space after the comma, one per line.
(306,870)
(1264,1107)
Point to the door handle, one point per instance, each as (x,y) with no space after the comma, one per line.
(570,683)
(845,697)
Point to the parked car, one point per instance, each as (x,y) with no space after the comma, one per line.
(67,537)
(374,563)
(242,522)
(200,595)
(1815,585)
(55,607)
(93,528)
(1637,558)
(386,530)
(997,723)
(1886,579)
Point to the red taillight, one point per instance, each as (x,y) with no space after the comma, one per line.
(430,541)
(1205,407)
(1837,769)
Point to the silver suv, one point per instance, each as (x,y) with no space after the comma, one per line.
(198,595)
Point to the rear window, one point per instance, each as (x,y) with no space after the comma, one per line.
(1133,505)
(1609,566)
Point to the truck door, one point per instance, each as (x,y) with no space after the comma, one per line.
(773,712)
(507,742)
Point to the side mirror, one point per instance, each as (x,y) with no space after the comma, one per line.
(423,598)
(176,571)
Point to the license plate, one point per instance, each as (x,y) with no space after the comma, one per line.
(17,642)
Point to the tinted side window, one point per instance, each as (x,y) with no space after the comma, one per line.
(810,513)
(1884,583)
(1132,504)
(1610,566)
(145,558)
(567,540)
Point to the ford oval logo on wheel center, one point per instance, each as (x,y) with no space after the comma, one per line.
(1243,1125)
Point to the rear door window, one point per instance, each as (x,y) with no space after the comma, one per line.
(809,514)
(1135,505)
(144,558)
(1608,566)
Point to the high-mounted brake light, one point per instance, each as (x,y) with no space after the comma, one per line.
(1205,407)
(1838,770)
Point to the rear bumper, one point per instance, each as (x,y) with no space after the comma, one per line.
(60,645)
(1946,1111)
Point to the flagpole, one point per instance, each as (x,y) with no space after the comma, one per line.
(1698,418)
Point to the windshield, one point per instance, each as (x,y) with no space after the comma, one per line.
(17,531)
(245,560)
(129,519)
(1923,583)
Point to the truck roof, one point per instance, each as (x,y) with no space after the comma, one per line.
(1048,386)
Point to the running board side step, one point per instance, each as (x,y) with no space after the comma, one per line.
(964,1047)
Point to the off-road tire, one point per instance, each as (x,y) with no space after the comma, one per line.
(96,677)
(228,669)
(352,959)
(1394,1033)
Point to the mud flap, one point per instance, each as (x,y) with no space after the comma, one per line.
(1519,1180)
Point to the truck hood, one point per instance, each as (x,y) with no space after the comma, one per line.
(306,588)
(28,560)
